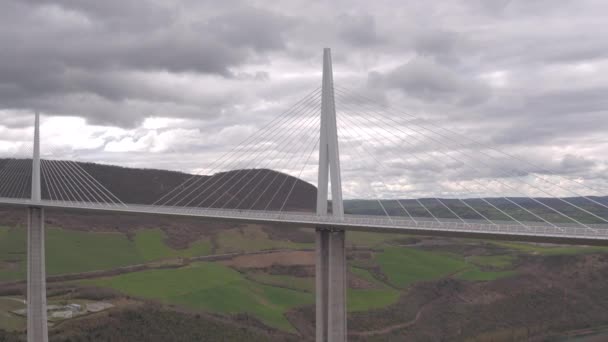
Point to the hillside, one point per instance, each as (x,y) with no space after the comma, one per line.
(269,188)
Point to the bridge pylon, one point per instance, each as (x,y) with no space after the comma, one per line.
(330,243)
(37,329)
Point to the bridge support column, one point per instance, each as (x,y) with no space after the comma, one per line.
(330,285)
(37,330)
(322,284)
(337,287)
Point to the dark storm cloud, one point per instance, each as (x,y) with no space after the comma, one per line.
(359,30)
(526,76)
(430,81)
(64,50)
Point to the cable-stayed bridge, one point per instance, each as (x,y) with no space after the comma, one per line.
(329,134)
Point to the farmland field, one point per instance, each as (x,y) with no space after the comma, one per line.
(70,251)
(404,266)
(212,287)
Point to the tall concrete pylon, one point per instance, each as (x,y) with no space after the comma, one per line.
(330,248)
(37,329)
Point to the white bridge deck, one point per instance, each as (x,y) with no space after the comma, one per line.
(529,231)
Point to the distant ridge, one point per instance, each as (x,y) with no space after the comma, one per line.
(225,189)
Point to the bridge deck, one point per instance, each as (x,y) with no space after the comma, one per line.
(530,231)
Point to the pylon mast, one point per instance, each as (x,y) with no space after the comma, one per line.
(330,247)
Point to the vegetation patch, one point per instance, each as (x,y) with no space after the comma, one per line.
(365,274)
(285,281)
(153,324)
(550,250)
(475,274)
(151,246)
(494,261)
(252,239)
(77,251)
(71,251)
(369,299)
(3,230)
(211,287)
(405,266)
(13,247)
(367,239)
(8,320)
(364,300)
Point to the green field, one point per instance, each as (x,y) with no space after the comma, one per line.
(364,274)
(364,300)
(494,261)
(71,251)
(367,239)
(150,245)
(550,250)
(216,288)
(380,296)
(405,266)
(252,239)
(9,321)
(12,253)
(211,287)
(285,281)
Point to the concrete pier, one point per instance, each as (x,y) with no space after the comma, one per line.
(330,285)
(337,287)
(37,330)
(322,284)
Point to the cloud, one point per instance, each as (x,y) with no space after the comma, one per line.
(432,82)
(174,84)
(359,30)
(65,53)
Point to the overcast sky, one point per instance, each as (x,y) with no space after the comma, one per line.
(172,84)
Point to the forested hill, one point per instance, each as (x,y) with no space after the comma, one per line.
(255,189)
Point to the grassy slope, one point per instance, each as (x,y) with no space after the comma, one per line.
(151,324)
(495,261)
(212,287)
(367,239)
(380,296)
(75,251)
(552,250)
(12,253)
(251,240)
(475,274)
(150,246)
(9,321)
(404,266)
(285,281)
